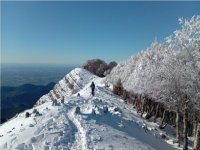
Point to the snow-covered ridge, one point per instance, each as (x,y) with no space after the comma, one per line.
(69,85)
(103,122)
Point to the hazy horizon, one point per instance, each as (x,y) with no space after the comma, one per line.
(17,63)
(37,74)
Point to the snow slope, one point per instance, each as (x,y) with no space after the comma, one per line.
(104,121)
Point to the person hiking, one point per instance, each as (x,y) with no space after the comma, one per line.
(92,88)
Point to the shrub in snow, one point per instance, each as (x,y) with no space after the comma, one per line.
(78,110)
(62,101)
(54,102)
(27,114)
(35,111)
(117,109)
(163,136)
(93,112)
(61,133)
(118,88)
(106,84)
(37,114)
(105,109)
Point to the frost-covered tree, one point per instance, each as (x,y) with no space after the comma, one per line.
(169,73)
(186,45)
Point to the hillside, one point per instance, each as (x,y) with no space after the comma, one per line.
(104,121)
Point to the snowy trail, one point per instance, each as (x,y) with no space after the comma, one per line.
(81,138)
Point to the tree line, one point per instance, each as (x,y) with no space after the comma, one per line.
(164,81)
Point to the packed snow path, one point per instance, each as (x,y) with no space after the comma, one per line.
(104,122)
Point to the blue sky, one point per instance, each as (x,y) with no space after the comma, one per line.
(73,32)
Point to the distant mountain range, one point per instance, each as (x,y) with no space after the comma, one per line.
(23,84)
(17,99)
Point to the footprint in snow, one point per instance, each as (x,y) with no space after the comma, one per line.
(37,138)
(33,140)
(23,146)
(31,125)
(9,131)
(12,134)
(5,145)
(46,143)
(46,147)
(22,129)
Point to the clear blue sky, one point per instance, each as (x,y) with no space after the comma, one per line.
(73,32)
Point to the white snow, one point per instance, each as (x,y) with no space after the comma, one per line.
(59,127)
